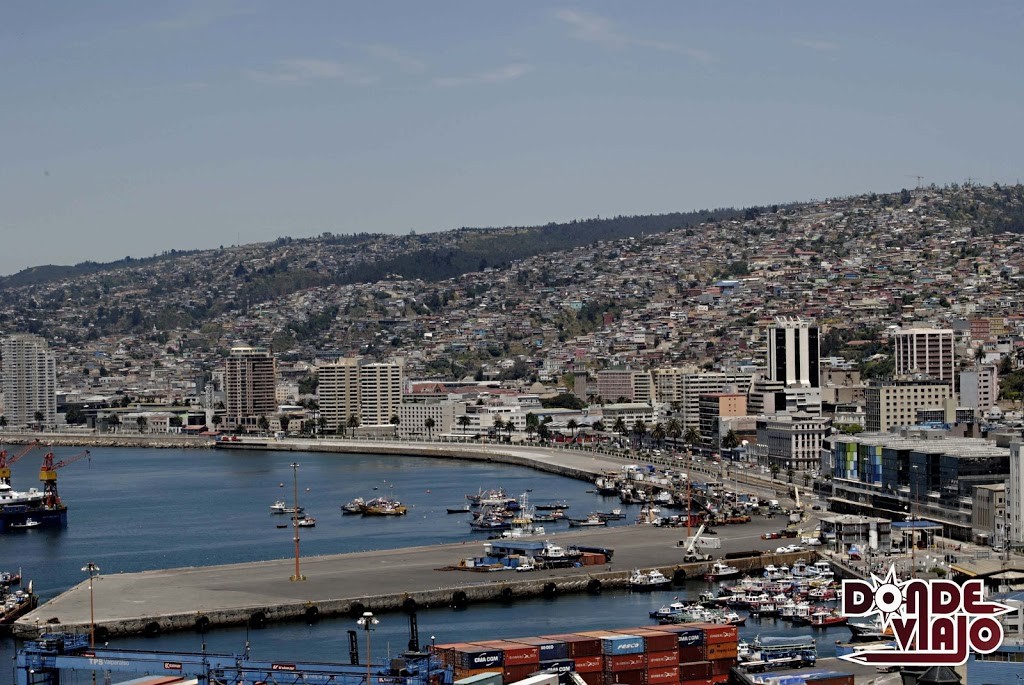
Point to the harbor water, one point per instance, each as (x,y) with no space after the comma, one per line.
(141,509)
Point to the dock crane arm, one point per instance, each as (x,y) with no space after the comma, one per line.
(7,462)
(48,475)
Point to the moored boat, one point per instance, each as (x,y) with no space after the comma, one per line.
(281,507)
(384,506)
(649,580)
(591,520)
(722,571)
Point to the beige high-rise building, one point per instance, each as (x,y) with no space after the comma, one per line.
(29,381)
(898,404)
(250,384)
(926,351)
(369,391)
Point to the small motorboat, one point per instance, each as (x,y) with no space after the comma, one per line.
(280,507)
(649,580)
(27,523)
(591,520)
(306,522)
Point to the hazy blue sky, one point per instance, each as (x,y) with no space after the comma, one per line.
(130,128)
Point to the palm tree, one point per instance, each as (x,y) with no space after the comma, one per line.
(142,422)
(39,419)
(464,422)
(774,470)
(114,421)
(531,424)
(321,423)
(692,438)
(429,424)
(498,424)
(620,427)
(789,474)
(731,441)
(543,432)
(353,423)
(395,421)
(217,420)
(3,422)
(572,425)
(263,423)
(284,421)
(674,429)
(640,430)
(658,433)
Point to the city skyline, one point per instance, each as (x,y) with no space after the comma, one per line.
(145,128)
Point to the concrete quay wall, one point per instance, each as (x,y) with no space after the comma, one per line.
(498,587)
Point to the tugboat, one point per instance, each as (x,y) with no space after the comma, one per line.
(722,571)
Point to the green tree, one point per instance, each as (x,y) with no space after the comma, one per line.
(532,422)
(353,423)
(263,423)
(774,470)
(639,430)
(217,420)
(731,441)
(284,421)
(543,432)
(429,424)
(38,416)
(598,426)
(464,422)
(673,428)
(572,425)
(691,437)
(113,420)
(142,422)
(175,421)
(3,421)
(620,427)
(658,434)
(789,475)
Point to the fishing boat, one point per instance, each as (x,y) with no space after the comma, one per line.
(356,506)
(27,523)
(459,510)
(649,580)
(556,515)
(722,571)
(591,520)
(613,515)
(552,506)
(823,618)
(15,603)
(280,507)
(384,506)
(669,610)
(306,522)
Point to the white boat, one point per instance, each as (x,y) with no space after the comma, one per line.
(280,507)
(721,571)
(649,580)
(306,522)
(591,520)
(27,523)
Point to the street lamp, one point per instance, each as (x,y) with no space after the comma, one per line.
(367,621)
(93,570)
(295,519)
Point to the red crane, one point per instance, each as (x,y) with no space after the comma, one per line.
(48,475)
(6,463)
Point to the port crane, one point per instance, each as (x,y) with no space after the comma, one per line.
(7,462)
(48,475)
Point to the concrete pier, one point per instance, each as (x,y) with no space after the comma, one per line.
(347,584)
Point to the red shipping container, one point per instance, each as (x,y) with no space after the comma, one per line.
(722,666)
(687,655)
(514,673)
(625,662)
(703,681)
(695,670)
(663,675)
(654,640)
(515,652)
(626,678)
(589,664)
(579,645)
(722,650)
(720,679)
(714,633)
(670,658)
(592,678)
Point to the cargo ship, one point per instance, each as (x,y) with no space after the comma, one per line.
(25,510)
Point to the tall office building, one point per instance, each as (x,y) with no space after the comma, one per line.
(634,385)
(1015,496)
(927,351)
(250,383)
(29,381)
(371,392)
(793,363)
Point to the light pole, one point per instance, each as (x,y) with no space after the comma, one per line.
(295,519)
(913,526)
(367,621)
(93,570)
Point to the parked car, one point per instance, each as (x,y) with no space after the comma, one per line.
(770,536)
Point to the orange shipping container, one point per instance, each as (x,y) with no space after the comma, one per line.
(724,650)
(670,658)
(663,675)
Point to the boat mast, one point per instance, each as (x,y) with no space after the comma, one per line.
(295,519)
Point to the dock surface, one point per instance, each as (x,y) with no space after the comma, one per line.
(343,584)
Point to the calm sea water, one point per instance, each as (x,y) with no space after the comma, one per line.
(140,509)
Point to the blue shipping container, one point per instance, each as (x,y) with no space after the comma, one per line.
(624,644)
(691,638)
(553,650)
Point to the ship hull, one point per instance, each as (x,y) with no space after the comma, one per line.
(14,518)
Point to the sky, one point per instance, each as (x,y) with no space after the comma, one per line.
(132,128)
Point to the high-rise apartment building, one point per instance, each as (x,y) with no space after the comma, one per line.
(900,403)
(925,351)
(369,391)
(250,384)
(29,381)
(683,387)
(632,385)
(794,364)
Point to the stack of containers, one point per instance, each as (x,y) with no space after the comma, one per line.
(467,659)
(661,654)
(706,651)
(554,655)
(806,678)
(585,653)
(519,660)
(624,656)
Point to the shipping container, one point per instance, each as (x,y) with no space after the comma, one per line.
(626,678)
(669,658)
(663,676)
(488,678)
(519,672)
(687,634)
(622,644)
(654,640)
(589,664)
(516,653)
(463,673)
(474,656)
(688,655)
(721,666)
(625,662)
(714,633)
(540,679)
(703,681)
(724,650)
(549,649)
(695,670)
(557,666)
(592,677)
(593,559)
(579,645)
(720,679)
